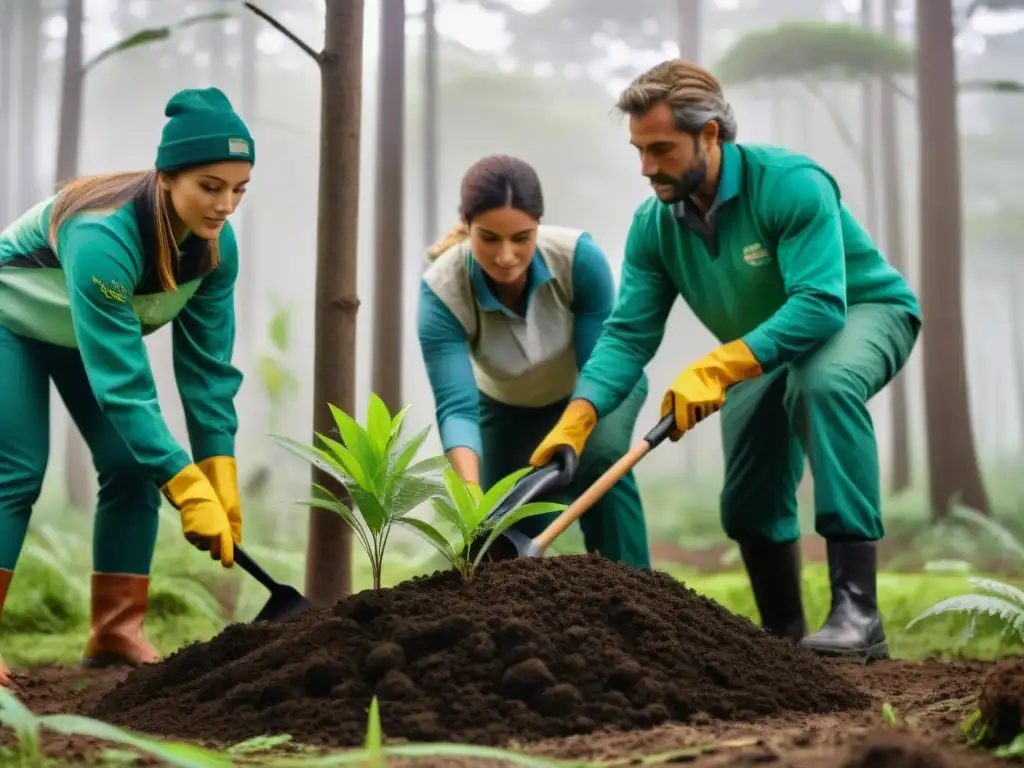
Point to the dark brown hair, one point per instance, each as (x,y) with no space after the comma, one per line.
(495,181)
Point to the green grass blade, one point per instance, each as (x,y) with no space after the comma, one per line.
(177,754)
(440,749)
(374,744)
(259,744)
(16,715)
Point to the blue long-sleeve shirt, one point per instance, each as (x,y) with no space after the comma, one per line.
(449,347)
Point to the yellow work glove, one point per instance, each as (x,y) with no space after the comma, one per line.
(222,473)
(573,428)
(203,518)
(699,390)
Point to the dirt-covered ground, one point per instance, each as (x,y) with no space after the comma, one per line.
(571,657)
(934,697)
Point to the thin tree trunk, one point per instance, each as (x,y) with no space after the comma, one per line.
(895,246)
(869,131)
(431,148)
(689,15)
(7,79)
(329,550)
(78,473)
(389,209)
(1017,351)
(249,105)
(29,44)
(953,462)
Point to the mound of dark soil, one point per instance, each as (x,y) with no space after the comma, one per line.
(1002,702)
(528,650)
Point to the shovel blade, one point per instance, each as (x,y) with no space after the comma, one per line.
(284,603)
(509,545)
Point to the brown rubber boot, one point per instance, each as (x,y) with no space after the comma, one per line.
(119,602)
(5,582)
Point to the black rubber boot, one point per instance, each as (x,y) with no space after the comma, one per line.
(774,571)
(853,628)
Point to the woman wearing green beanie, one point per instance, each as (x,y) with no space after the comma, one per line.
(84,275)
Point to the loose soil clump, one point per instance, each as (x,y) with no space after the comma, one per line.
(894,749)
(1002,702)
(530,649)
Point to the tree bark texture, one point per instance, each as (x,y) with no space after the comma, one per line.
(329,550)
(954,473)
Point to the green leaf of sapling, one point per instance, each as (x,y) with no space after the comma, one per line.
(378,425)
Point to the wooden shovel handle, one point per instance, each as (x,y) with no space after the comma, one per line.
(603,484)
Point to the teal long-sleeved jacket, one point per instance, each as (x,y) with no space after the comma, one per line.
(776,263)
(99,292)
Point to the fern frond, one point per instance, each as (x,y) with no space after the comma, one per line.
(1001,589)
(975,605)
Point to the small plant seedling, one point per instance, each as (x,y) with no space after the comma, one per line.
(468,508)
(259,744)
(377,472)
(888,714)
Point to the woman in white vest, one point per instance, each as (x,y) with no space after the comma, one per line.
(509,311)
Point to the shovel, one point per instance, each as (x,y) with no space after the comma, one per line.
(511,544)
(284,601)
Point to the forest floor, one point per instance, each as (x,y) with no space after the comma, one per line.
(930,700)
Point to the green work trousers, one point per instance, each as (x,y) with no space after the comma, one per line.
(615,525)
(814,407)
(128,504)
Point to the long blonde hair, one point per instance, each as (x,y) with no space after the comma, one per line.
(456,234)
(112,190)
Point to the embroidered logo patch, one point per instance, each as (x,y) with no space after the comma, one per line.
(756,255)
(238,147)
(115,291)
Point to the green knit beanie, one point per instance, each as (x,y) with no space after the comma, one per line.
(203,128)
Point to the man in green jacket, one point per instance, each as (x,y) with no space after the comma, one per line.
(812,320)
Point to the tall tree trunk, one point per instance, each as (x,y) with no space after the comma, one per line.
(953,462)
(249,106)
(7,80)
(869,131)
(389,211)
(431,148)
(79,480)
(690,17)
(329,550)
(29,45)
(1017,350)
(895,247)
